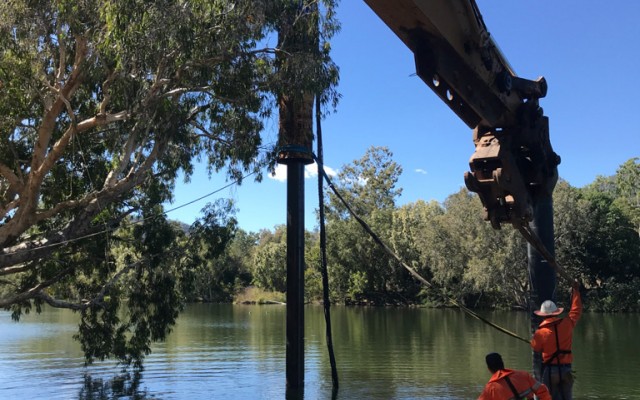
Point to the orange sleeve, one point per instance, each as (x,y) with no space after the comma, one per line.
(485,395)
(536,343)
(576,306)
(539,388)
(542,392)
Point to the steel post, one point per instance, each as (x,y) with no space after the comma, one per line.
(543,276)
(295,274)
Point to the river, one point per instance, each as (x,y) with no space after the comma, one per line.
(238,352)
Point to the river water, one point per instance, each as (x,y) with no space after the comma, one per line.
(238,352)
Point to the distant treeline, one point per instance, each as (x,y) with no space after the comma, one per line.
(597,240)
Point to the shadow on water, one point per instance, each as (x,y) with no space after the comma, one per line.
(120,386)
(298,394)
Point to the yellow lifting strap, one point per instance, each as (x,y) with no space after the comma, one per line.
(535,241)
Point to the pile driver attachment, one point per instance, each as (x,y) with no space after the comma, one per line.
(495,176)
(458,59)
(512,165)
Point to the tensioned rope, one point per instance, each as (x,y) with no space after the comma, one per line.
(323,252)
(535,241)
(412,271)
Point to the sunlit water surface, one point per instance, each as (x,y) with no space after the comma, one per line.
(238,352)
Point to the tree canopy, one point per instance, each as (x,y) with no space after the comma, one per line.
(102,105)
(451,246)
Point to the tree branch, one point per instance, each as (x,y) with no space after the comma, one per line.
(97,300)
(15,269)
(106,95)
(183,90)
(14,182)
(78,227)
(23,217)
(28,193)
(61,144)
(60,303)
(63,55)
(31,250)
(10,206)
(206,134)
(123,161)
(34,291)
(47,126)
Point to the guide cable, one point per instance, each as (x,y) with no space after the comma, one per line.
(323,252)
(412,271)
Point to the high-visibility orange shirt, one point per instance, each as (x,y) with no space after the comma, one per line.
(544,338)
(498,389)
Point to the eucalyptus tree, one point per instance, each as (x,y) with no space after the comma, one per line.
(471,261)
(359,268)
(597,241)
(102,104)
(572,228)
(313,285)
(612,247)
(416,237)
(627,180)
(220,255)
(270,260)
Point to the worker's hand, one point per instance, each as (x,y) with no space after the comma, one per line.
(575,285)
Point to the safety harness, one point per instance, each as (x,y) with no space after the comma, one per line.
(520,395)
(556,356)
(513,388)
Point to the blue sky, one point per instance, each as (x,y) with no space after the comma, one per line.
(588,51)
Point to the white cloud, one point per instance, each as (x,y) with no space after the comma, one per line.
(420,171)
(310,171)
(280,174)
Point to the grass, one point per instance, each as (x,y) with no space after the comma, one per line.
(254,295)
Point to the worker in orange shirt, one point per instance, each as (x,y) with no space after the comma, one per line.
(508,384)
(553,339)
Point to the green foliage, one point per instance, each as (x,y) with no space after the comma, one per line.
(103,104)
(451,246)
(611,245)
(572,228)
(616,296)
(123,320)
(154,264)
(627,181)
(270,261)
(360,270)
(313,290)
(220,266)
(463,257)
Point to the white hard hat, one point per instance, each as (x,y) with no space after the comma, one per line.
(548,308)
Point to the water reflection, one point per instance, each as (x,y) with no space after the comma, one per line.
(238,352)
(126,385)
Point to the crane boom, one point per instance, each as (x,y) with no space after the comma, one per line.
(458,59)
